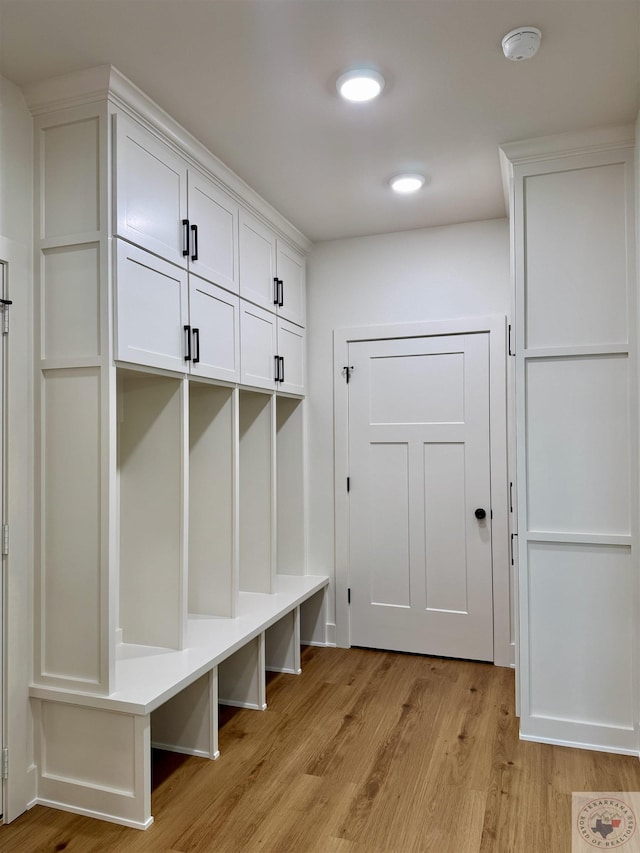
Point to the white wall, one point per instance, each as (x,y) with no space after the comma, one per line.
(16,242)
(431,274)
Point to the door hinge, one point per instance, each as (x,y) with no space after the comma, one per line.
(348,484)
(5,540)
(5,763)
(512,348)
(5,315)
(347,371)
(349,595)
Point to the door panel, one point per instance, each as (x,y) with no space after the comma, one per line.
(151,192)
(152,309)
(258,343)
(216,216)
(420,560)
(257,261)
(215,319)
(290,267)
(291,347)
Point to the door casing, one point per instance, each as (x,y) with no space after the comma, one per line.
(504,591)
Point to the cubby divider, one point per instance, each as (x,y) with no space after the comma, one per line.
(257,491)
(213,500)
(290,524)
(151,477)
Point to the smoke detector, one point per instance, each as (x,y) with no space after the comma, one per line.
(522,43)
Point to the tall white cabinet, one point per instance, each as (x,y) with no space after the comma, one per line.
(572,208)
(171,536)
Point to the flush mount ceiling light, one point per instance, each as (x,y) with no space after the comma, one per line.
(407,183)
(360,85)
(522,43)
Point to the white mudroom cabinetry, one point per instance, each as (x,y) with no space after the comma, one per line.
(273,350)
(170,319)
(170,208)
(573,212)
(272,273)
(171,534)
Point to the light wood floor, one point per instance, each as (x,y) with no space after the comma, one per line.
(364,752)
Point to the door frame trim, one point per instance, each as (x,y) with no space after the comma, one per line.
(496,327)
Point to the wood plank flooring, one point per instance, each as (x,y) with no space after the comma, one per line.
(365,752)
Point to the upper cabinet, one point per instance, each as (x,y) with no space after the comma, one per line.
(213,231)
(272,273)
(169,319)
(171,209)
(151,192)
(188,253)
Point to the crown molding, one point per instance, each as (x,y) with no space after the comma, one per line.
(573,143)
(105,82)
(568,144)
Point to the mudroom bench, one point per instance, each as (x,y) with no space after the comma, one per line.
(96,749)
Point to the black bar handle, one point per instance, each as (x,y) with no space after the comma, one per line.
(281,357)
(196,343)
(276,291)
(6,302)
(277,376)
(194,231)
(187,330)
(280,293)
(185,238)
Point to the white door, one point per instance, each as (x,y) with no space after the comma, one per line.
(257,262)
(215,331)
(290,268)
(419,559)
(258,346)
(214,216)
(291,352)
(152,310)
(151,192)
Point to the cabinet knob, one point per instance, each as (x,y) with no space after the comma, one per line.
(480,513)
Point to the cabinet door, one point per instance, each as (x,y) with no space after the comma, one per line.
(215,215)
(151,309)
(291,348)
(291,272)
(151,192)
(215,326)
(258,339)
(257,262)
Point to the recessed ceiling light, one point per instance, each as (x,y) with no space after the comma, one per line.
(360,84)
(407,183)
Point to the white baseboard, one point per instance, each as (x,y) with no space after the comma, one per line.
(199,753)
(53,804)
(233,704)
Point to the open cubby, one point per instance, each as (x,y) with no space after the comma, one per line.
(241,677)
(257,498)
(151,519)
(282,644)
(290,525)
(188,722)
(212,577)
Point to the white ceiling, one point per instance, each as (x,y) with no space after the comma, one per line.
(254,80)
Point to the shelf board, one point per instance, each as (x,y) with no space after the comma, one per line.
(147,676)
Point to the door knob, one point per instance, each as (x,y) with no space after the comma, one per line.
(481,513)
